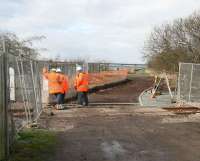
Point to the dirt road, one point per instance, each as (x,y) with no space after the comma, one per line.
(128,92)
(124,133)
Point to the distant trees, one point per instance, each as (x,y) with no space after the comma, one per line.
(174,42)
(12,44)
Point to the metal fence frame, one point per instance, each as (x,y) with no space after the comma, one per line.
(28,84)
(189,84)
(29,90)
(4,137)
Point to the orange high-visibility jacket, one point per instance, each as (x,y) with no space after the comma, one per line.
(81,83)
(65,83)
(54,82)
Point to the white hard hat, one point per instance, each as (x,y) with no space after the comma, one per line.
(79,68)
(53,70)
(58,70)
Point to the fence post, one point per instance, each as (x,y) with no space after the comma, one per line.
(4,83)
(191,79)
(179,83)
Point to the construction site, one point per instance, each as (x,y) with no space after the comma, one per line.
(130,116)
(84,91)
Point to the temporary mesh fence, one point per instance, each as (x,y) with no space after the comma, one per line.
(20,101)
(188,84)
(24,90)
(105,77)
(99,73)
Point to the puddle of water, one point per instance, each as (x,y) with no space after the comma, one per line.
(190,118)
(112,150)
(63,128)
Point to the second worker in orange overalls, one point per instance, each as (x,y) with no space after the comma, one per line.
(81,85)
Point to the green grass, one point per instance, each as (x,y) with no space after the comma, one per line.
(140,73)
(34,145)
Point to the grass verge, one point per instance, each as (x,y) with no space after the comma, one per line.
(34,145)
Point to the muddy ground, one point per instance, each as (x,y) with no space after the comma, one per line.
(128,92)
(124,133)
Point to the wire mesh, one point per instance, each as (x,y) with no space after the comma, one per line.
(99,73)
(188,85)
(24,90)
(25,94)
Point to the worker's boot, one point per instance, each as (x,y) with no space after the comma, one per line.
(57,107)
(61,107)
(85,104)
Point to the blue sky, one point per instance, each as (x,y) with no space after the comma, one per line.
(112,30)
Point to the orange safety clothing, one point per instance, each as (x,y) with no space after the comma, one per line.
(81,83)
(54,82)
(65,82)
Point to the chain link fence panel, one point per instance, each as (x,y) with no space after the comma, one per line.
(24,90)
(20,97)
(189,83)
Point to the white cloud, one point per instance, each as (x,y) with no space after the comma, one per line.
(103,29)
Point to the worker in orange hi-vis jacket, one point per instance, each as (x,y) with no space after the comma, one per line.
(54,85)
(81,85)
(65,85)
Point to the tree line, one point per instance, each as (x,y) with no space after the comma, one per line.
(11,43)
(171,43)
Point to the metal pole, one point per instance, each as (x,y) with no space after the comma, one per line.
(5,99)
(179,83)
(34,89)
(22,90)
(39,86)
(168,86)
(25,92)
(191,79)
